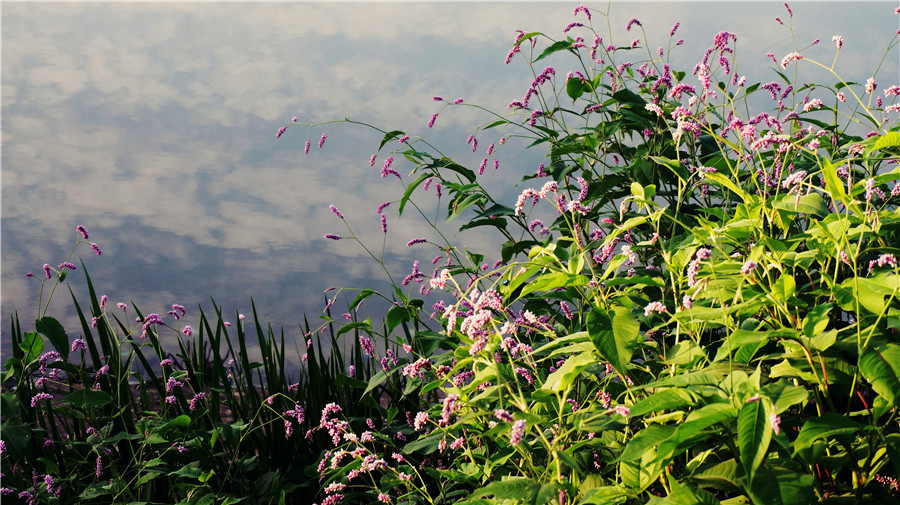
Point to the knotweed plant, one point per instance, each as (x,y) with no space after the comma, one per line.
(111,416)
(696,300)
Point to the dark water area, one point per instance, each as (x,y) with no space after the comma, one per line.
(153,125)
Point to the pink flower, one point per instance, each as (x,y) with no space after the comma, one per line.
(631,22)
(789,58)
(654,307)
(775,422)
(840,96)
(80,229)
(322,140)
(621,410)
(40,397)
(870,85)
(335,211)
(515,435)
(582,8)
(748,267)
(838,41)
(421,419)
(813,104)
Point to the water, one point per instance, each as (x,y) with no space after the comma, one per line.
(153,125)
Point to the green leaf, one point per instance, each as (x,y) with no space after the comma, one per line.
(674,165)
(826,425)
(365,293)
(561,379)
(412,187)
(390,136)
(784,288)
(574,88)
(88,398)
(32,345)
(881,367)
(645,439)
(721,180)
(782,486)
(55,333)
(559,45)
(395,316)
(891,139)
(615,335)
(754,435)
(663,400)
(811,203)
(424,445)
(182,421)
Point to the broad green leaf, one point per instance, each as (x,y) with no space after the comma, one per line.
(683,494)
(560,45)
(782,486)
(32,345)
(644,440)
(891,139)
(881,367)
(425,445)
(395,316)
(390,136)
(55,333)
(674,165)
(88,398)
(754,435)
(722,180)
(412,187)
(812,203)
(606,495)
(520,489)
(784,288)
(638,475)
(561,379)
(663,400)
(365,293)
(182,421)
(615,334)
(826,425)
(866,292)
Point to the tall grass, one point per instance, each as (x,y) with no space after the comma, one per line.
(129,419)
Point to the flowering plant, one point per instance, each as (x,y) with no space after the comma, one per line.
(692,303)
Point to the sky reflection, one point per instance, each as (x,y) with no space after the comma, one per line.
(153,125)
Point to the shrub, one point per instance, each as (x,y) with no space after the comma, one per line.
(693,303)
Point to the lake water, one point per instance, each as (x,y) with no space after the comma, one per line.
(153,125)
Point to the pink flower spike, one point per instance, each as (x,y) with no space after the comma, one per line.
(306,147)
(582,8)
(336,211)
(431,121)
(838,41)
(458,101)
(322,140)
(789,58)
(96,249)
(80,229)
(870,85)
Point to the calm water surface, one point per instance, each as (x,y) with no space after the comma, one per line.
(153,126)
